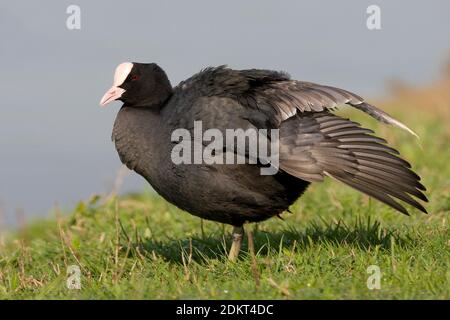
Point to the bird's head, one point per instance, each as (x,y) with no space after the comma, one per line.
(138,85)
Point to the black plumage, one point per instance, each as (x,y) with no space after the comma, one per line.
(314,143)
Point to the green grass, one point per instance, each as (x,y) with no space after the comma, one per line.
(139,246)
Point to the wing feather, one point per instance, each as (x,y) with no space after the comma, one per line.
(307,96)
(318,144)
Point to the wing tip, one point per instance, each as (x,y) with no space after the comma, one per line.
(382,116)
(397,123)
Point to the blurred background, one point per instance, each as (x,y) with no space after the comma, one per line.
(55,145)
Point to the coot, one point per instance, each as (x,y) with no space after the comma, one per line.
(311,142)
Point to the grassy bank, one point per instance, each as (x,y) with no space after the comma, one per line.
(139,246)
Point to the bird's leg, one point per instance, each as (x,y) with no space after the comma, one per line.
(251,248)
(238,234)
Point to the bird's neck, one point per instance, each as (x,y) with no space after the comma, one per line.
(153,102)
(137,132)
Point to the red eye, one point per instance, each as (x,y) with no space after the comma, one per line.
(134,77)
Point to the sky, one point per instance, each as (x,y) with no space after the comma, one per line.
(55,140)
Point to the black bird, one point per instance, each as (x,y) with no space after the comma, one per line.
(313,142)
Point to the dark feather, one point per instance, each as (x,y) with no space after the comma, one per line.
(314,145)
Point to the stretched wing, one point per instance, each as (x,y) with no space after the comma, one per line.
(289,97)
(272,97)
(318,144)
